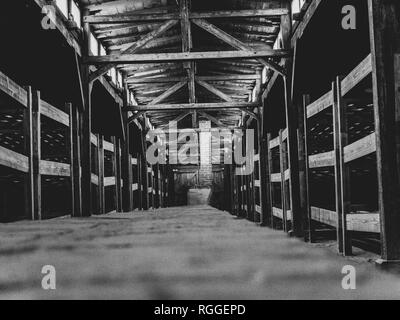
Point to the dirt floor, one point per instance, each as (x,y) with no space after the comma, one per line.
(176,253)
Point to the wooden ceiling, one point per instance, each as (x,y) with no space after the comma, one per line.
(214,80)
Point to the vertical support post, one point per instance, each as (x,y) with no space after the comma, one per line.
(305,172)
(291,125)
(75,159)
(283,165)
(271,188)
(127,196)
(384,21)
(145,178)
(86,126)
(342,130)
(32,147)
(117,174)
(100,186)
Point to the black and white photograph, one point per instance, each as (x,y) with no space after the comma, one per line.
(200,155)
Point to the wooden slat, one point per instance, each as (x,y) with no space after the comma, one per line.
(256,157)
(135,187)
(277,212)
(53,113)
(364,222)
(109,181)
(274,143)
(276,178)
(13,89)
(95,179)
(326,159)
(319,105)
(357,75)
(134,162)
(284,134)
(257,183)
(50,168)
(258,209)
(13,160)
(324,216)
(287,174)
(93,140)
(360,148)
(108,146)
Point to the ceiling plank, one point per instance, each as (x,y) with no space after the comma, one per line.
(136,46)
(214,90)
(227,38)
(168,93)
(194,106)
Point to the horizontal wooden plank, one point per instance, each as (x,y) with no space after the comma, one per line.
(108,146)
(239,13)
(274,143)
(319,105)
(93,139)
(53,113)
(258,209)
(277,212)
(14,160)
(361,222)
(364,222)
(324,216)
(220,106)
(360,148)
(95,179)
(150,190)
(321,160)
(13,90)
(287,174)
(357,75)
(257,183)
(135,187)
(109,181)
(184,56)
(284,134)
(276,177)
(50,168)
(134,162)
(256,157)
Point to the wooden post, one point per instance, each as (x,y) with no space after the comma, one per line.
(305,172)
(271,188)
(100,186)
(32,147)
(127,195)
(75,159)
(145,178)
(283,164)
(86,126)
(291,125)
(117,174)
(341,135)
(384,20)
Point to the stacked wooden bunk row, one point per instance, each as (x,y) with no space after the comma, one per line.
(341,169)
(40,136)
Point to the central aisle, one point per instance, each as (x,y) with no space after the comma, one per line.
(174,253)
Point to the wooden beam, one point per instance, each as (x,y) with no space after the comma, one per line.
(214,90)
(75,158)
(212,119)
(194,106)
(168,93)
(136,46)
(239,13)
(222,35)
(384,20)
(183,56)
(132,18)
